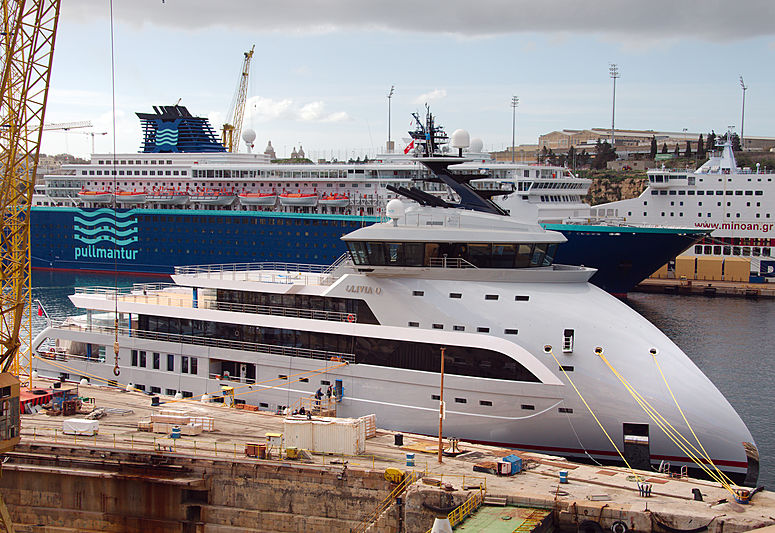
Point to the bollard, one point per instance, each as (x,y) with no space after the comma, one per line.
(34,432)
(114,441)
(235,450)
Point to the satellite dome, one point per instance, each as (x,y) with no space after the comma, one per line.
(249,136)
(476,145)
(395,209)
(460,139)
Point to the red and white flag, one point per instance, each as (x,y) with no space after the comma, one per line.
(409,147)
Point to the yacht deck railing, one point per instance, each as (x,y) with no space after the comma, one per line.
(196,340)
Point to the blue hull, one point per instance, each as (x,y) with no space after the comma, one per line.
(151,241)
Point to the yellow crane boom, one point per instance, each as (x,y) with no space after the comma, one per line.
(232,129)
(27,46)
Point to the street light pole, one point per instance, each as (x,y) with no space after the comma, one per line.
(514,104)
(614,73)
(742,118)
(390,99)
(441,403)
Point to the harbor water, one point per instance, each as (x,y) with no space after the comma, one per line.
(730,340)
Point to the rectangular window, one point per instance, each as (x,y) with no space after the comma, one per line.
(414,324)
(455,295)
(264,405)
(142,359)
(187,394)
(438,326)
(304,380)
(325,382)
(490,296)
(418,293)
(156,360)
(567,410)
(519,298)
(435,397)
(508,331)
(194,365)
(282,376)
(483,330)
(184,364)
(134,357)
(156,390)
(461,400)
(566,368)
(486,403)
(459,328)
(170,392)
(170,362)
(528,407)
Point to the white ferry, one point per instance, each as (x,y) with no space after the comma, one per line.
(735,203)
(521,334)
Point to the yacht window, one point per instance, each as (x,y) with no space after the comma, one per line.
(508,331)
(490,296)
(528,407)
(567,410)
(483,330)
(459,328)
(486,403)
(566,368)
(438,326)
(414,324)
(455,295)
(461,400)
(520,298)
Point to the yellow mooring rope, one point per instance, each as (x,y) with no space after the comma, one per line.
(548,349)
(670,431)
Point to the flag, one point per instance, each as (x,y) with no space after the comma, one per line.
(409,147)
(40,310)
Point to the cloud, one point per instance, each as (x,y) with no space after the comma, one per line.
(265,109)
(436,94)
(710,20)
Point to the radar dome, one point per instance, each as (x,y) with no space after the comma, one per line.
(395,209)
(460,139)
(249,136)
(477,145)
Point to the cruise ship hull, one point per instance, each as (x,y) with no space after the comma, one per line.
(154,241)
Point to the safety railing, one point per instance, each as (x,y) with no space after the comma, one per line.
(450,262)
(461,512)
(271,349)
(405,483)
(231,268)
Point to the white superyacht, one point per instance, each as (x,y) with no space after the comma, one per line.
(521,335)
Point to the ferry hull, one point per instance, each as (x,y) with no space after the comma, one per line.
(157,240)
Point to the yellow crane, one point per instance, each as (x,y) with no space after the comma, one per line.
(232,129)
(27,46)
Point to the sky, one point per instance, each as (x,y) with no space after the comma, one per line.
(322,70)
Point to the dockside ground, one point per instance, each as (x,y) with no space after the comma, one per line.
(128,480)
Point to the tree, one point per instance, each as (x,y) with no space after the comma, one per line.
(676,152)
(711,144)
(688,152)
(700,147)
(543,155)
(603,154)
(552,157)
(571,157)
(653,151)
(664,148)
(736,143)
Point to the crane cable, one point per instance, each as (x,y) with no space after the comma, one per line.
(638,477)
(670,431)
(116,369)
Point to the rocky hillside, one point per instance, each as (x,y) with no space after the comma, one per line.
(610,185)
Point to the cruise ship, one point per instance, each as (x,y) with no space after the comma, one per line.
(184,200)
(535,356)
(735,203)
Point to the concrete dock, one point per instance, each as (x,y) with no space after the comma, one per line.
(128,480)
(690,287)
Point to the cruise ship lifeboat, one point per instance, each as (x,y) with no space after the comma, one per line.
(96,196)
(299,199)
(213,197)
(130,197)
(335,200)
(258,198)
(168,197)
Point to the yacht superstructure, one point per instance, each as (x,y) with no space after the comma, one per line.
(516,327)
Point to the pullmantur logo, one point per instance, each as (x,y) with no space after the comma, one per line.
(105,234)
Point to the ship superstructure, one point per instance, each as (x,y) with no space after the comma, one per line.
(183,200)
(735,203)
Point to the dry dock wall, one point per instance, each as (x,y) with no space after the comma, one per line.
(62,490)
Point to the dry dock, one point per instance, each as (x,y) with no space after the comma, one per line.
(126,480)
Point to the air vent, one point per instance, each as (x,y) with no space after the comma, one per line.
(567,340)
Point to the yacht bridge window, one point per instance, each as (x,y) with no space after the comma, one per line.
(480,255)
